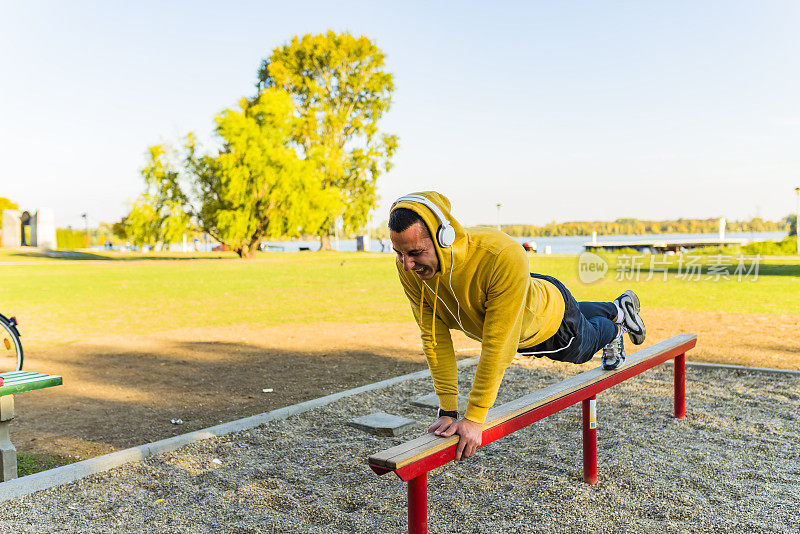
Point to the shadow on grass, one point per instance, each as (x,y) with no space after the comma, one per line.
(96,256)
(57,254)
(115,398)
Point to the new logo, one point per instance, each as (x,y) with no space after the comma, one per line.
(591,267)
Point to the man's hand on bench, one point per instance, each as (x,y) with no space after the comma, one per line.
(470,434)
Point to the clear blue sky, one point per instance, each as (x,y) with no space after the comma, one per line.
(558,110)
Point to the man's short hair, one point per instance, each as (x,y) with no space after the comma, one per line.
(402,218)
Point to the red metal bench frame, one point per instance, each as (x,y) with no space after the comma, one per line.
(415,473)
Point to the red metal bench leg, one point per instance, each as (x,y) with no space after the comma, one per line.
(680,386)
(590,440)
(418,505)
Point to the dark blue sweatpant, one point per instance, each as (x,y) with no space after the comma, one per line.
(586,328)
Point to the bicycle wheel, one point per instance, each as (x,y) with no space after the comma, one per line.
(10,348)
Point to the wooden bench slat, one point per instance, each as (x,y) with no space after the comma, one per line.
(23,375)
(10,374)
(428,443)
(24,379)
(20,381)
(411,451)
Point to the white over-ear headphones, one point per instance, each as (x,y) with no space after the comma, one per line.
(446,234)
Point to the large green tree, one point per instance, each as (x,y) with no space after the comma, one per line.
(254,186)
(158,216)
(340,90)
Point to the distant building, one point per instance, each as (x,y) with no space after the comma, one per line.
(42,229)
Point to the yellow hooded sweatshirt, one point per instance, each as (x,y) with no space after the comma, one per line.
(484,289)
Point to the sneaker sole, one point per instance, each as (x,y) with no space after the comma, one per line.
(635,298)
(633,323)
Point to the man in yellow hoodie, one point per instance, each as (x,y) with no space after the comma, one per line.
(478,281)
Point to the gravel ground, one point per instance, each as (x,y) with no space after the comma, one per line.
(733,465)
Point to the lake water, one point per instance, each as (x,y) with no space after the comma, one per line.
(558,245)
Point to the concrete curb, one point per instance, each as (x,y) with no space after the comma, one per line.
(72,472)
(728,367)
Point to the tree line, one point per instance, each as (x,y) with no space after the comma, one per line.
(637,226)
(300,157)
(69,238)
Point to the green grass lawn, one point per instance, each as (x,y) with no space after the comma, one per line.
(61,300)
(775,290)
(73,299)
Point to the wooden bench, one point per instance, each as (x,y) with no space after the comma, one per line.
(16,382)
(412,460)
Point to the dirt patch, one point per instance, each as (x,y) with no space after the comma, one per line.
(750,339)
(121,391)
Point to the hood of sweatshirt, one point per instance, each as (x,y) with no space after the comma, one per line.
(446,256)
(433,223)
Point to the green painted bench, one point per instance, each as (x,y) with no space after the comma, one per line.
(16,382)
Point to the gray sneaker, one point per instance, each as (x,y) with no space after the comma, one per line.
(614,353)
(631,322)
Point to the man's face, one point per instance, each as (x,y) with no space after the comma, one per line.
(416,251)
